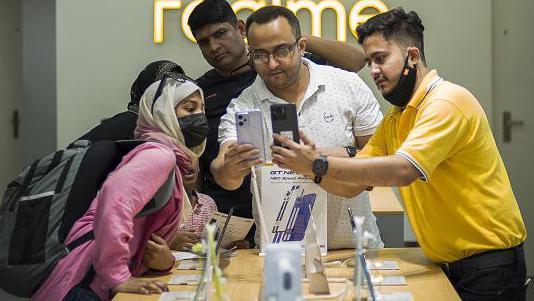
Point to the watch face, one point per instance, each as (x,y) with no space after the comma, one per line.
(320,165)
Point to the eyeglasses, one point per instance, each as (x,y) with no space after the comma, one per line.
(262,57)
(182,78)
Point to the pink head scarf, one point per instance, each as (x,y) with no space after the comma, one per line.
(158,116)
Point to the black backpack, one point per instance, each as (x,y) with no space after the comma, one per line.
(42,204)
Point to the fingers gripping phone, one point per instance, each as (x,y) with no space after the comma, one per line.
(285,121)
(250,130)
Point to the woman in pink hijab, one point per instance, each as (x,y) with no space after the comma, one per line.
(171,115)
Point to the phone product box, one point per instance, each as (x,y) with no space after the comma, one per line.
(286,200)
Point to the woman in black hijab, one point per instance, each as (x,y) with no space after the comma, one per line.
(122,125)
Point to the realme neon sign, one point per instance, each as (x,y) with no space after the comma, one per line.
(356,14)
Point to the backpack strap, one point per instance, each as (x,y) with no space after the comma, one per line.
(28,178)
(80,241)
(55,161)
(161,197)
(125,146)
(63,176)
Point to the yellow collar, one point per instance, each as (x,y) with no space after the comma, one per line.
(428,82)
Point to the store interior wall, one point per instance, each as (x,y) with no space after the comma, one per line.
(79,59)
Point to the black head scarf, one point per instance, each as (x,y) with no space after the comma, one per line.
(151,74)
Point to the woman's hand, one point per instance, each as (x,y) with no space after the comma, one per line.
(141,286)
(158,255)
(184,240)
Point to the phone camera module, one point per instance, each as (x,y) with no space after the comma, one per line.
(279,113)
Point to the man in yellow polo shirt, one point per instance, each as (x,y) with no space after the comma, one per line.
(436,145)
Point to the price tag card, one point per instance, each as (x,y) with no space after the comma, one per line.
(401,296)
(382,265)
(388,280)
(175,296)
(189,265)
(184,279)
(184,255)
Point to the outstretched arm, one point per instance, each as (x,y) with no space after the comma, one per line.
(352,175)
(342,55)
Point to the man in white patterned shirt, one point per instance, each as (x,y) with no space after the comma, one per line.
(335,108)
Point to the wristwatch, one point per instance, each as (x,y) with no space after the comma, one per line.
(320,166)
(351,151)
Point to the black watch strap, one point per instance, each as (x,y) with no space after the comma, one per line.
(351,151)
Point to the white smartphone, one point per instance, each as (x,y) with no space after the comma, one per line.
(250,130)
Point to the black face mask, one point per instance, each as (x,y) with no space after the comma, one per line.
(400,96)
(194,128)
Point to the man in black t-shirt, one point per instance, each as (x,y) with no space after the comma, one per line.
(220,37)
(218,92)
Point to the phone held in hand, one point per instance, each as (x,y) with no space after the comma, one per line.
(250,130)
(285,121)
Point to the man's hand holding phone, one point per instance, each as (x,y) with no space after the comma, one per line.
(235,159)
(298,157)
(239,158)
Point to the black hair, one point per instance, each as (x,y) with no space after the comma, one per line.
(210,12)
(397,25)
(152,73)
(272,12)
